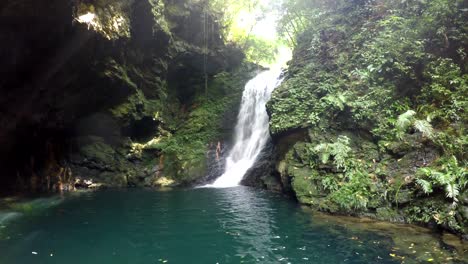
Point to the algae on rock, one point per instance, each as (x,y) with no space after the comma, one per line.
(374,73)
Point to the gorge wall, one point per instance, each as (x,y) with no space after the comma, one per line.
(371,118)
(113,91)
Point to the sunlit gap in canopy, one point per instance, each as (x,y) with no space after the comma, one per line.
(87,18)
(266,28)
(254,26)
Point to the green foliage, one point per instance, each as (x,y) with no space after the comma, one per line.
(383,70)
(293,108)
(295,18)
(425,185)
(239,18)
(424,127)
(445,96)
(355,193)
(405,120)
(349,189)
(330,183)
(306,99)
(185,150)
(229,11)
(340,151)
(260,51)
(430,210)
(450,176)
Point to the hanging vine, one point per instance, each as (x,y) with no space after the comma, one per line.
(205,48)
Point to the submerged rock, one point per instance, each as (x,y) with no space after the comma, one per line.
(420,243)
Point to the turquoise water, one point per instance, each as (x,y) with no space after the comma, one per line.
(233,225)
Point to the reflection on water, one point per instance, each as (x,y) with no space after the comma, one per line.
(240,208)
(231,225)
(407,241)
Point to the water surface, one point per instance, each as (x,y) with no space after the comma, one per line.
(230,225)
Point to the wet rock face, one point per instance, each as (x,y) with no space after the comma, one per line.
(392,170)
(263,174)
(109,80)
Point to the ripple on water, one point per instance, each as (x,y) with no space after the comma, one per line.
(231,225)
(8,216)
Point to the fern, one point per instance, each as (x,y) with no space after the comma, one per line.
(424,127)
(404,120)
(336,100)
(324,153)
(450,176)
(452,191)
(425,185)
(339,150)
(407,119)
(329,183)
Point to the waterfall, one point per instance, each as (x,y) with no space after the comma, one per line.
(251,131)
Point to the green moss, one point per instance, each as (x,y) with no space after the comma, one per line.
(98,151)
(305,189)
(185,150)
(357,69)
(113,179)
(432,209)
(136,106)
(158,8)
(111,17)
(387,214)
(177,10)
(104,157)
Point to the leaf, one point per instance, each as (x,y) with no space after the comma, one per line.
(425,185)
(324,157)
(452,191)
(424,127)
(404,120)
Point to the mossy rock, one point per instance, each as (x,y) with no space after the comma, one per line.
(367,150)
(401,147)
(463,212)
(388,214)
(183,169)
(301,152)
(112,179)
(464,197)
(98,151)
(404,196)
(303,185)
(272,183)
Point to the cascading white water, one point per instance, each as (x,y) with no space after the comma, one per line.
(252,131)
